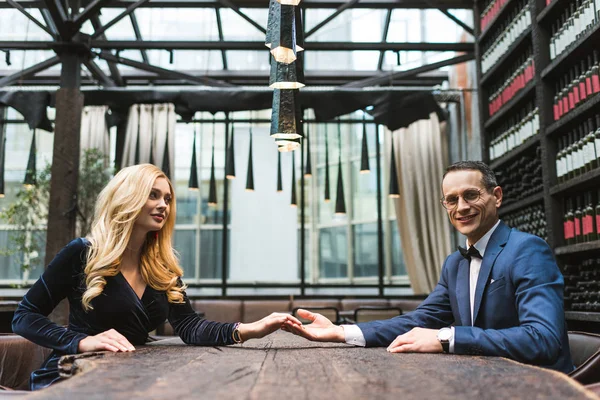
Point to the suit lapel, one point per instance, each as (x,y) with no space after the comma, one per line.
(462,292)
(494,247)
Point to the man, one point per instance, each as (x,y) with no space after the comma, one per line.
(501,297)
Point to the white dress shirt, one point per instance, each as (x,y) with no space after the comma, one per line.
(353,334)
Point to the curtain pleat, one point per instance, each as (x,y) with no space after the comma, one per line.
(421,159)
(94,130)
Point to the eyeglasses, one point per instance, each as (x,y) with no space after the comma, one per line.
(470,196)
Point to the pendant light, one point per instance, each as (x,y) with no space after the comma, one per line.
(212,189)
(283,117)
(364,154)
(327,196)
(340,202)
(250,174)
(2,157)
(294,202)
(282,33)
(31,173)
(308,165)
(394,191)
(193,182)
(230,160)
(279,181)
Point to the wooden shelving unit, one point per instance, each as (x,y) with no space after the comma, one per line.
(542,88)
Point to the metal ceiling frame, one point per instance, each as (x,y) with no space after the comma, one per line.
(64,26)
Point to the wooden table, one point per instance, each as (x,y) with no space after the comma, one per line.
(283,366)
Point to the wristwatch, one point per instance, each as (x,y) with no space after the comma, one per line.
(444,335)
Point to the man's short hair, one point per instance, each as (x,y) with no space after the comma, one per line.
(488,178)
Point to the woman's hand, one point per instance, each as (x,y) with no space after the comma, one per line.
(267,325)
(110,340)
(319,330)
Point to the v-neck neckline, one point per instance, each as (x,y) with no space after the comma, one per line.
(132,289)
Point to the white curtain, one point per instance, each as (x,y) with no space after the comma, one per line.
(94,131)
(151,134)
(421,158)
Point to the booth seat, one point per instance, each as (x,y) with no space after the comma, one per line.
(18,359)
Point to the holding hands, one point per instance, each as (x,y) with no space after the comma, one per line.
(267,325)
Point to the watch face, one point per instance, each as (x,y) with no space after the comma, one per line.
(444,334)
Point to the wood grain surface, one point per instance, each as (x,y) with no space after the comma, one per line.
(283,366)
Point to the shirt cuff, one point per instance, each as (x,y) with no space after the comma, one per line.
(353,335)
(451,347)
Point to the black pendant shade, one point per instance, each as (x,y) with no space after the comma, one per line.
(283,118)
(327,195)
(193,182)
(279,181)
(281,33)
(364,155)
(31,173)
(166,159)
(294,202)
(340,202)
(308,165)
(394,191)
(2,158)
(212,189)
(285,76)
(230,159)
(250,174)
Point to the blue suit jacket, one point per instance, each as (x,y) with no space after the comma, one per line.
(518,308)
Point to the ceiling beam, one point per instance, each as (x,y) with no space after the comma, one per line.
(203,80)
(379,4)
(92,9)
(114,70)
(457,21)
(386,77)
(239,45)
(386,29)
(337,12)
(59,17)
(97,72)
(138,35)
(27,72)
(221,37)
(237,10)
(31,17)
(119,17)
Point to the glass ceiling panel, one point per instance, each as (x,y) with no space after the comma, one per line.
(122,30)
(24,59)
(177,23)
(405,26)
(237,28)
(16,26)
(248,60)
(350,25)
(341,60)
(439,28)
(197,60)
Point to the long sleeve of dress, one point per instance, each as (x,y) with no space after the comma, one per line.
(193,329)
(57,282)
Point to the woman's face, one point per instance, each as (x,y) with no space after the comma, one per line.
(157,207)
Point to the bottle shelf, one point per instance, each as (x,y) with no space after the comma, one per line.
(587,180)
(519,98)
(582,316)
(584,111)
(577,248)
(581,47)
(550,13)
(501,15)
(524,147)
(511,54)
(520,204)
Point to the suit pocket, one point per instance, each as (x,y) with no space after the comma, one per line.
(496,285)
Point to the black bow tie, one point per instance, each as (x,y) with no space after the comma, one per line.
(472,252)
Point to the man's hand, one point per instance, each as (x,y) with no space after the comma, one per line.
(267,325)
(319,330)
(417,340)
(110,340)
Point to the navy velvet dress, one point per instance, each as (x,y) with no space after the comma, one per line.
(118,307)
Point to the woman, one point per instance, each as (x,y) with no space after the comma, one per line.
(122,281)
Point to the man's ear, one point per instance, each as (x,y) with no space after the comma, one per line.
(497,192)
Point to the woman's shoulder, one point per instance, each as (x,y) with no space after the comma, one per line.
(75,249)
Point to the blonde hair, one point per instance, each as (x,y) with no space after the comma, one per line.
(117,208)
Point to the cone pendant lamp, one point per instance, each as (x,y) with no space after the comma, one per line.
(340,202)
(31,172)
(394,191)
(364,154)
(193,182)
(250,174)
(279,182)
(327,196)
(230,159)
(294,202)
(212,189)
(308,165)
